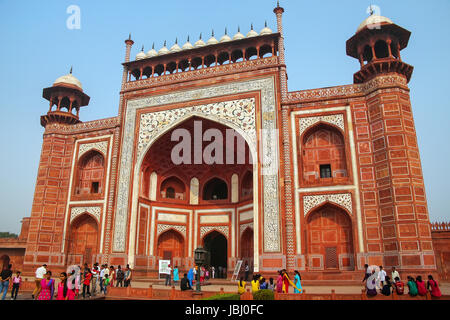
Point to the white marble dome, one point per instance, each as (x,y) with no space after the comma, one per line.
(265,30)
(141,55)
(187,45)
(372,20)
(152,53)
(252,33)
(163,50)
(238,35)
(175,47)
(68,79)
(200,42)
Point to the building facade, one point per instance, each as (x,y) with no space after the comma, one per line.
(313,180)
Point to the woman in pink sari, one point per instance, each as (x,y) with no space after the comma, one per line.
(280,282)
(64,290)
(47,287)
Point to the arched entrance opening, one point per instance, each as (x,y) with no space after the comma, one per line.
(217,246)
(4,261)
(83,241)
(215,189)
(247,246)
(170,246)
(330,241)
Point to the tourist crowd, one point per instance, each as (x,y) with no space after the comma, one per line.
(388,284)
(76,282)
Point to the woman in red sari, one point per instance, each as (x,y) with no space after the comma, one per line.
(433,286)
(47,287)
(287,281)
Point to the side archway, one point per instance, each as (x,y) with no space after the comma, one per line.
(83,239)
(330,238)
(170,245)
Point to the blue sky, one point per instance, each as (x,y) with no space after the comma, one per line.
(37,48)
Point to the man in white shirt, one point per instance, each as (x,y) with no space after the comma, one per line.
(40,272)
(394,274)
(102,277)
(381,276)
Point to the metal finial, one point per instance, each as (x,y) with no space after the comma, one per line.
(200,35)
(164,43)
(142,48)
(212,33)
(371,10)
(226,30)
(71,67)
(129,36)
(153,45)
(176,40)
(278,3)
(239,28)
(251,26)
(188,39)
(265,24)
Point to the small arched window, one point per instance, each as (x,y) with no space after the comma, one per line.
(170,193)
(215,189)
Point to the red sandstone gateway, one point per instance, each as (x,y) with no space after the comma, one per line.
(347,188)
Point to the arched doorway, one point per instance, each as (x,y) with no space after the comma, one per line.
(83,241)
(215,189)
(4,261)
(330,238)
(170,245)
(217,246)
(247,246)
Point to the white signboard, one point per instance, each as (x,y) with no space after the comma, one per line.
(164,266)
(237,268)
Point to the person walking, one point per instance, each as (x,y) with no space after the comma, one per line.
(4,281)
(106,283)
(64,290)
(168,275)
(87,283)
(119,276)
(421,286)
(47,287)
(246,270)
(190,276)
(297,281)
(213,272)
(381,276)
(16,281)
(102,277)
(433,286)
(127,279)
(39,275)
(280,282)
(112,276)
(95,275)
(176,276)
(287,281)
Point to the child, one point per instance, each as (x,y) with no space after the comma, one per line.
(87,282)
(399,286)
(106,283)
(262,284)
(17,280)
(241,286)
(412,287)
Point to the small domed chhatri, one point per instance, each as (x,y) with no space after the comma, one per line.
(200,42)
(188,45)
(152,52)
(141,54)
(175,47)
(212,40)
(225,37)
(372,21)
(265,30)
(69,80)
(164,49)
(252,33)
(238,35)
